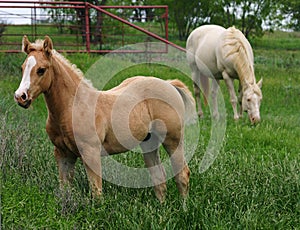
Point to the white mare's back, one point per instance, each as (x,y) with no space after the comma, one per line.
(201,48)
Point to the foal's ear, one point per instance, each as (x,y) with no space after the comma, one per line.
(259,83)
(48,46)
(25,45)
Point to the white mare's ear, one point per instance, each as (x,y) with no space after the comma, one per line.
(25,45)
(260,83)
(48,46)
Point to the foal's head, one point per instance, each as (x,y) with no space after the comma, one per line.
(36,71)
(251,100)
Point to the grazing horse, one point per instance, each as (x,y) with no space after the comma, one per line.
(219,53)
(86,123)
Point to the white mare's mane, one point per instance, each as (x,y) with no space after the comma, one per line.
(243,57)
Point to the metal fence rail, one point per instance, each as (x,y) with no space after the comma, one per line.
(81,26)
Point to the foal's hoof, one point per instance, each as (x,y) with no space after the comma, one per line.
(97,194)
(200,115)
(160,192)
(216,116)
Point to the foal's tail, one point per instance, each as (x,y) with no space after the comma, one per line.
(190,116)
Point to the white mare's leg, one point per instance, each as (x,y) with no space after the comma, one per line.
(198,101)
(233,98)
(214,96)
(240,99)
(197,91)
(152,161)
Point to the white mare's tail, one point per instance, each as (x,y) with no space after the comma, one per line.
(190,116)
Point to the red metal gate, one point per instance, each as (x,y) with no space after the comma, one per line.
(81,26)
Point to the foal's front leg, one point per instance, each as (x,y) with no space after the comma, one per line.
(66,163)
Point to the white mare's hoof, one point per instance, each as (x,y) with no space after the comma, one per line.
(236,117)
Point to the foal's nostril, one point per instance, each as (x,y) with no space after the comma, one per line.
(24,96)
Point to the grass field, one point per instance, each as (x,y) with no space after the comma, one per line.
(253,184)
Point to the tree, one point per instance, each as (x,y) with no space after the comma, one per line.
(99,23)
(189,14)
(249,16)
(291,8)
(58,16)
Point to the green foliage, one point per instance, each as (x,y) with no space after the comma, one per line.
(246,15)
(2,29)
(249,16)
(292,9)
(253,184)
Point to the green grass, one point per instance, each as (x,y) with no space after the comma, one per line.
(278,41)
(253,183)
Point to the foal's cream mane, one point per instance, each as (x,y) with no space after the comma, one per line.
(243,59)
(38,46)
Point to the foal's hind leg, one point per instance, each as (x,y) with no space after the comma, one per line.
(175,149)
(156,169)
(92,163)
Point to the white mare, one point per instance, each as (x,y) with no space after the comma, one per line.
(219,53)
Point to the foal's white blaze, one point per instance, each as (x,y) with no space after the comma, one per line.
(25,82)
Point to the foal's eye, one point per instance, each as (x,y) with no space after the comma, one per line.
(249,99)
(41,71)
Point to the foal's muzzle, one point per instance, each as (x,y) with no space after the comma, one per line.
(23,100)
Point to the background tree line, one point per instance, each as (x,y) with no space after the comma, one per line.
(250,16)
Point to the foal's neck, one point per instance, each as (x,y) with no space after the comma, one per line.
(65,83)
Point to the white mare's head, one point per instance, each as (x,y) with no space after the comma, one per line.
(251,101)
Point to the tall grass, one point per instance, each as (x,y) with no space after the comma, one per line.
(253,184)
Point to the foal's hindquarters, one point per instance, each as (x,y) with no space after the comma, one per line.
(170,135)
(125,120)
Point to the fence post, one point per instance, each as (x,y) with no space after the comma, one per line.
(167,27)
(167,23)
(87,27)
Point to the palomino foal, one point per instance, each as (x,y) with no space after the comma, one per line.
(86,123)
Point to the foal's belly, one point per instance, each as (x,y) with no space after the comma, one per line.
(115,147)
(123,140)
(109,149)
